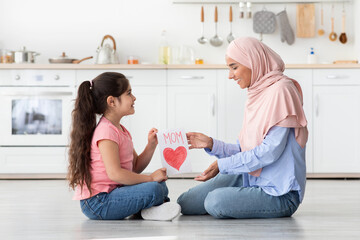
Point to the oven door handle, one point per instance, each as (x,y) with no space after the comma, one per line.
(36,93)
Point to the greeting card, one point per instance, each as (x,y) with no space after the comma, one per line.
(174,151)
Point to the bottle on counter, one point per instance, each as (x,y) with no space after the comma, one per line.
(164,49)
(312,59)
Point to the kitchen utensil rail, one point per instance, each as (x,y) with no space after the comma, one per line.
(259,2)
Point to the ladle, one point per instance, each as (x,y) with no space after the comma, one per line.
(321,30)
(202,39)
(230,37)
(342,37)
(216,41)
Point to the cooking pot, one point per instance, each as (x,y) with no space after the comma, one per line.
(106,54)
(65,59)
(23,56)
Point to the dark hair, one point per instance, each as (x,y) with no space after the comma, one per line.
(91,100)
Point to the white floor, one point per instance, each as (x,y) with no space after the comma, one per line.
(43,209)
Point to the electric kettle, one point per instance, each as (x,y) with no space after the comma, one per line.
(105,53)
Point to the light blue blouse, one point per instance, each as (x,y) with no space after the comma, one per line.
(281,158)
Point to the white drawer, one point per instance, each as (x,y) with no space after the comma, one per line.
(336,77)
(191,77)
(136,77)
(37,77)
(33,160)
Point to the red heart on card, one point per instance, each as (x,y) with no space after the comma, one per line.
(175,158)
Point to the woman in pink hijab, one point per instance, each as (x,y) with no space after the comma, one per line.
(263,175)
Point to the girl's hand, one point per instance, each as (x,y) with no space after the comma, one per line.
(159,175)
(152,138)
(210,172)
(199,140)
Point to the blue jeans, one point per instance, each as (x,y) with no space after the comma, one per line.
(124,201)
(224,197)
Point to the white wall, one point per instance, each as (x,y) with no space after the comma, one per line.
(77,27)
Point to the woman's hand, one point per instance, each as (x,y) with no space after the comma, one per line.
(199,140)
(159,175)
(210,172)
(152,138)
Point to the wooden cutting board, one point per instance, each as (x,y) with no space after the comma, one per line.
(305,20)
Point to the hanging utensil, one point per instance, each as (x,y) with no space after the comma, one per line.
(230,37)
(202,39)
(333,35)
(342,37)
(321,31)
(216,41)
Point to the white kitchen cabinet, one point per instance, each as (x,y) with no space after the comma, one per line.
(150,112)
(231,105)
(192,106)
(304,78)
(336,114)
(149,88)
(232,101)
(24,160)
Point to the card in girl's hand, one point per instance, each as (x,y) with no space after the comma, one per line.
(174,151)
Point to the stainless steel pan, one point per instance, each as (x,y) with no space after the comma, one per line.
(65,59)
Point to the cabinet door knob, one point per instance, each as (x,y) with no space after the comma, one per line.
(57,77)
(17,77)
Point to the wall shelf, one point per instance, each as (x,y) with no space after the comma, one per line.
(258,1)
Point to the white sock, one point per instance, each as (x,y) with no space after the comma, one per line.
(164,212)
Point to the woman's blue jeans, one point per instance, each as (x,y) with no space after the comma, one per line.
(124,201)
(224,197)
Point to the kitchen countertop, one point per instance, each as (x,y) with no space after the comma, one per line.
(159,66)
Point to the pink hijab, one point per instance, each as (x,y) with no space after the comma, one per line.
(273,98)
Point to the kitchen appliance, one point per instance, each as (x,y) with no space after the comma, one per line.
(105,53)
(35,120)
(65,59)
(24,56)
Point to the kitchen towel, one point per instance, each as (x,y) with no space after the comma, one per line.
(286,32)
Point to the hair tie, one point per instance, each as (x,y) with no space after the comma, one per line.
(91,84)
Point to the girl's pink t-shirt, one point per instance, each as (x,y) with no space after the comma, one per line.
(100,181)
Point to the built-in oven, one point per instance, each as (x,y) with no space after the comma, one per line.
(35,120)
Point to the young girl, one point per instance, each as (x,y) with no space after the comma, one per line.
(104,166)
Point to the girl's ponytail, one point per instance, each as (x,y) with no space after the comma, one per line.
(91,100)
(83,126)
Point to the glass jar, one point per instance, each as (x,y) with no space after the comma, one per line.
(6,56)
(199,61)
(133,59)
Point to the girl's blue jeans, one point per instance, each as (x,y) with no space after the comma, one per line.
(124,201)
(224,197)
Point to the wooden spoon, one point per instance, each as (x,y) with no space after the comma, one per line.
(321,30)
(342,37)
(333,35)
